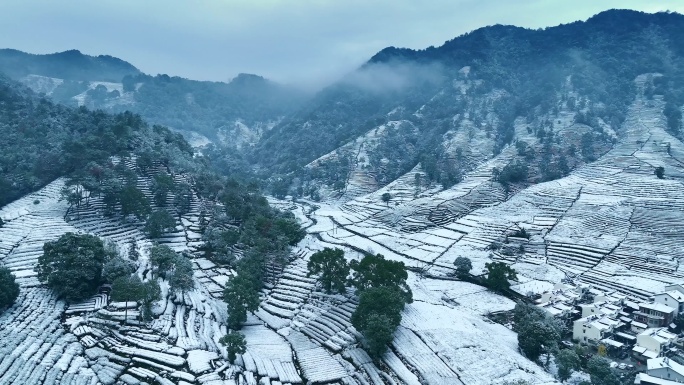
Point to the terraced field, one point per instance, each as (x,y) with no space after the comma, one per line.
(610,223)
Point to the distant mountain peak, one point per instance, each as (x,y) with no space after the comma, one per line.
(69,65)
(244,78)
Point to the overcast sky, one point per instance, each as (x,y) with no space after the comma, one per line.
(291,41)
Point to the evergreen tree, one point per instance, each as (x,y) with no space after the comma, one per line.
(128,289)
(181,278)
(235,344)
(240,297)
(9,288)
(463,266)
(72,265)
(567,361)
(158,223)
(376,271)
(134,202)
(333,268)
(498,275)
(162,258)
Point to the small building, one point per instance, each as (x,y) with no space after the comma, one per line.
(613,298)
(600,308)
(677,286)
(593,328)
(558,309)
(654,342)
(646,379)
(654,315)
(665,368)
(673,299)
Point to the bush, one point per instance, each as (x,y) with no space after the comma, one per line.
(463,266)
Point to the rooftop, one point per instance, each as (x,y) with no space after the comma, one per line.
(664,362)
(678,296)
(659,334)
(657,307)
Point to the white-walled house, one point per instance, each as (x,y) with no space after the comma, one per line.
(671,298)
(653,342)
(665,368)
(593,328)
(677,286)
(599,308)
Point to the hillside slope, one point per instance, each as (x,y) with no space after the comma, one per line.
(471,97)
(234,113)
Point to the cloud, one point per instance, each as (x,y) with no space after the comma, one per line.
(394,76)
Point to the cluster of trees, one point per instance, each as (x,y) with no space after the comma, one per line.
(515,172)
(498,274)
(245,233)
(44,141)
(243,221)
(538,332)
(75,265)
(381,286)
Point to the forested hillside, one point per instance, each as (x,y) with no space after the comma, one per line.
(231,114)
(68,65)
(484,90)
(43,140)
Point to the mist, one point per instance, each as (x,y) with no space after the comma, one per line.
(395,76)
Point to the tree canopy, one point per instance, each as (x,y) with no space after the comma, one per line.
(333,268)
(9,288)
(235,344)
(463,266)
(498,275)
(158,223)
(376,271)
(72,265)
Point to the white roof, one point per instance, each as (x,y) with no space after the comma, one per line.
(639,325)
(657,307)
(664,362)
(659,334)
(678,296)
(611,342)
(653,380)
(626,336)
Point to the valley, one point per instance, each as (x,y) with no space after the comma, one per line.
(611,224)
(507,209)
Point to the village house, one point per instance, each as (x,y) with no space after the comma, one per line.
(654,342)
(594,328)
(671,298)
(661,371)
(654,315)
(600,308)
